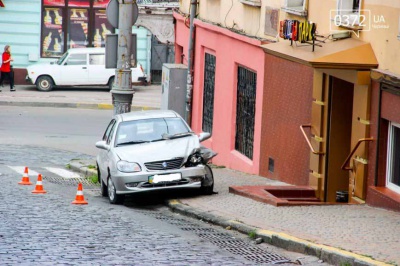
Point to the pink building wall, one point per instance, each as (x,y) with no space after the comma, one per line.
(231,50)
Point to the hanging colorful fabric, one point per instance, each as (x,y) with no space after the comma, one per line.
(281,25)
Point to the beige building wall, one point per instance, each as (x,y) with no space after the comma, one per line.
(383,19)
(233,14)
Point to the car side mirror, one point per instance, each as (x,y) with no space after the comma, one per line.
(203,136)
(102,145)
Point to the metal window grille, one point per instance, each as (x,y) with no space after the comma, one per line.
(208,95)
(245,111)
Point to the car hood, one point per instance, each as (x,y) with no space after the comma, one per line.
(158,151)
(41,65)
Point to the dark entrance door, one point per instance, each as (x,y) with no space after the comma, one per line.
(160,53)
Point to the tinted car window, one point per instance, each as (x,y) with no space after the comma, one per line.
(111,134)
(96,59)
(62,58)
(76,59)
(108,130)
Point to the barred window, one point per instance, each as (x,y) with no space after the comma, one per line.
(245,111)
(208,95)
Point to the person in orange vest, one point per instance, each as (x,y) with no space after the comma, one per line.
(6,67)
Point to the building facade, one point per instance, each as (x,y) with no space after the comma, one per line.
(305,92)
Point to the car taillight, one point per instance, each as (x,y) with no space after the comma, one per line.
(141,68)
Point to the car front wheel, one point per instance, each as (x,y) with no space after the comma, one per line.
(103,187)
(207,185)
(44,83)
(112,193)
(111,82)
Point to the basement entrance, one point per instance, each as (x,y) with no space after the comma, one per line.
(339,128)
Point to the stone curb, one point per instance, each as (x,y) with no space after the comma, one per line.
(103,106)
(82,168)
(331,255)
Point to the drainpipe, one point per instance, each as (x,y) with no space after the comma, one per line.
(189,88)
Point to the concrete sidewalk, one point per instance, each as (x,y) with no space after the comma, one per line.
(338,234)
(145,97)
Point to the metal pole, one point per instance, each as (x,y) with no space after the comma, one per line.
(189,88)
(122,91)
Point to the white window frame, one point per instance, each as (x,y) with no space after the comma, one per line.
(389,184)
(346,12)
(296,7)
(398,35)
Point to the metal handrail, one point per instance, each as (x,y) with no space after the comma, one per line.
(344,166)
(308,141)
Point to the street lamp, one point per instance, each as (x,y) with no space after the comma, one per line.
(121,14)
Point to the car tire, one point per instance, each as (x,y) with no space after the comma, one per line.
(112,193)
(207,185)
(103,187)
(44,83)
(110,83)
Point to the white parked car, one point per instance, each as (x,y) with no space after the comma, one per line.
(78,67)
(149,151)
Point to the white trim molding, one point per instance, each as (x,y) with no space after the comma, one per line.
(390,157)
(255,3)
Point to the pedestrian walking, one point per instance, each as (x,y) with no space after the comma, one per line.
(6,68)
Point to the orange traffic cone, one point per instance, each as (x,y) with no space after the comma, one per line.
(79,199)
(39,186)
(25,178)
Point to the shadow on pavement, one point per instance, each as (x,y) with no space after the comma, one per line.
(149,199)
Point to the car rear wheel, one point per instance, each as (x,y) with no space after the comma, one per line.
(207,185)
(103,187)
(112,193)
(110,83)
(44,83)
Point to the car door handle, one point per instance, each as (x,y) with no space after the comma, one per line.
(84,67)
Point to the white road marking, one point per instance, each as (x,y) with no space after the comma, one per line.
(62,172)
(21,170)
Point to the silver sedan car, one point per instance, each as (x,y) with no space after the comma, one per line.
(152,150)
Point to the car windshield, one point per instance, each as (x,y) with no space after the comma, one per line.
(150,130)
(59,61)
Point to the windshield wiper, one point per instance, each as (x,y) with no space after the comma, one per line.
(180,135)
(132,142)
(155,140)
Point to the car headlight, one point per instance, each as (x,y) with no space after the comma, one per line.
(128,167)
(194,159)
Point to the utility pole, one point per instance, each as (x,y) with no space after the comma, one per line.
(189,87)
(123,13)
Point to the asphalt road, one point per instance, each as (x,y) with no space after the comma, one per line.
(70,129)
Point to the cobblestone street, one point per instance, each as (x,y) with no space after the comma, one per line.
(48,230)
